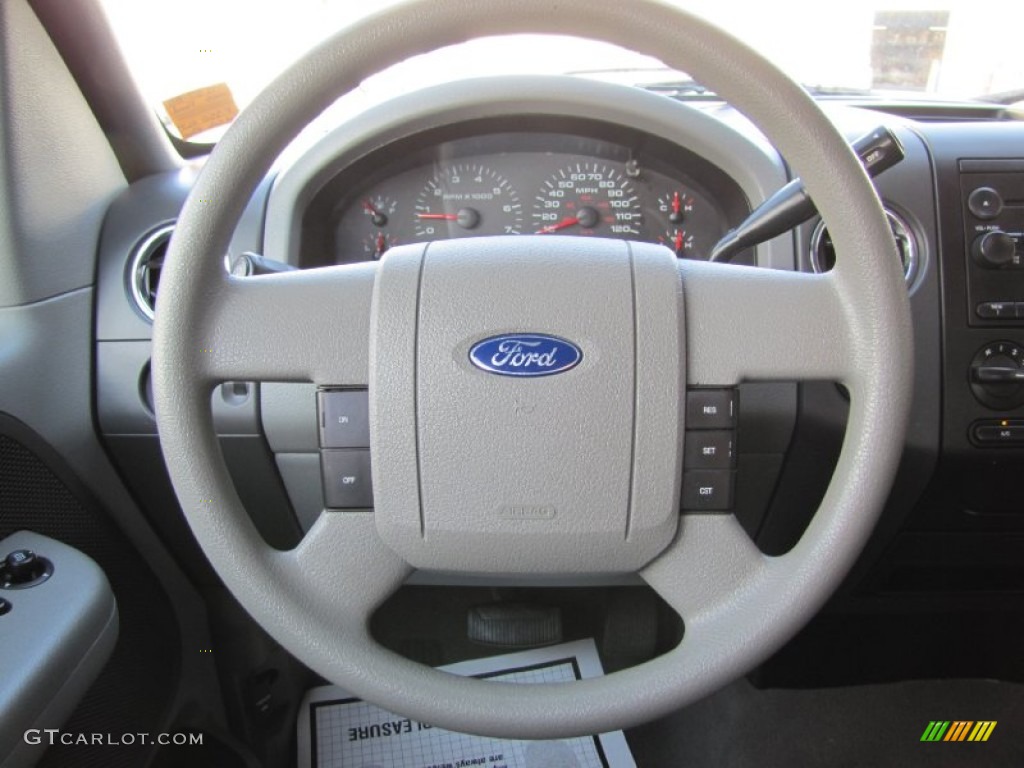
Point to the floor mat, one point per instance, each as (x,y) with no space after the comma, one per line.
(871,725)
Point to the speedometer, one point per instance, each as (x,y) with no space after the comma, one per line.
(587,198)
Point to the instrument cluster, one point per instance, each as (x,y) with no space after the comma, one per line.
(534,182)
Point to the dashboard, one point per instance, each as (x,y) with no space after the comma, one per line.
(566,157)
(573,178)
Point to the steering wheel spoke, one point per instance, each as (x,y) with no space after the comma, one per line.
(342,549)
(711,557)
(750,324)
(309,325)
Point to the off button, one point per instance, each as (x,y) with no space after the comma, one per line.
(346,477)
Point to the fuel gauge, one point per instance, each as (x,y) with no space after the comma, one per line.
(676,206)
(380,209)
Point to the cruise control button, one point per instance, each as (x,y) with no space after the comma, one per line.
(711,409)
(707,490)
(344,418)
(709,449)
(346,476)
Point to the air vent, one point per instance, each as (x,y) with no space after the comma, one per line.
(145,267)
(823,253)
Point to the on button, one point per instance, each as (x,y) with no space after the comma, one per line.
(344,418)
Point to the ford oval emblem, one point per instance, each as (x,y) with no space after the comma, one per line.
(525,354)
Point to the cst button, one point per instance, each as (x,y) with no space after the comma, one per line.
(707,490)
(346,477)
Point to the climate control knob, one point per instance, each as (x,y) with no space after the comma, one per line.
(997,375)
(994,250)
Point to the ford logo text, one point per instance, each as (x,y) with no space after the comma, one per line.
(525,354)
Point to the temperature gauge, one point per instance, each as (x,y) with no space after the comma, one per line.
(678,240)
(377,244)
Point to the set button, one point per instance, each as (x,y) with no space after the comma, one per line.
(710,449)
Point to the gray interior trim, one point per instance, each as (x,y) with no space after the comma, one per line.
(56,639)
(46,382)
(50,211)
(83,36)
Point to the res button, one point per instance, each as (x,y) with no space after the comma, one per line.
(711,409)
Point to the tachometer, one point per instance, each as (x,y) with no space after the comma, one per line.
(467,200)
(587,198)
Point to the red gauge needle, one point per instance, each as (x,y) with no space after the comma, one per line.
(677,204)
(679,241)
(441,216)
(378,217)
(563,224)
(381,244)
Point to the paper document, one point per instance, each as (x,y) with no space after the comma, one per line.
(339,731)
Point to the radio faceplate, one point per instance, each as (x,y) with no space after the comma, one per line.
(992,197)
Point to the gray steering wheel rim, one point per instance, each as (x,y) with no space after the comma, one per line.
(738,605)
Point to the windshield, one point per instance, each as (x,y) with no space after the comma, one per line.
(211,57)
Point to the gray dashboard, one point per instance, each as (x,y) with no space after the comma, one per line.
(518,134)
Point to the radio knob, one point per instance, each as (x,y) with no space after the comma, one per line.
(994,249)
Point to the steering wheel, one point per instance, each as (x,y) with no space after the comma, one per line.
(599,450)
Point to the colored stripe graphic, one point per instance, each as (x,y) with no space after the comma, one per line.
(935,730)
(982,730)
(958,730)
